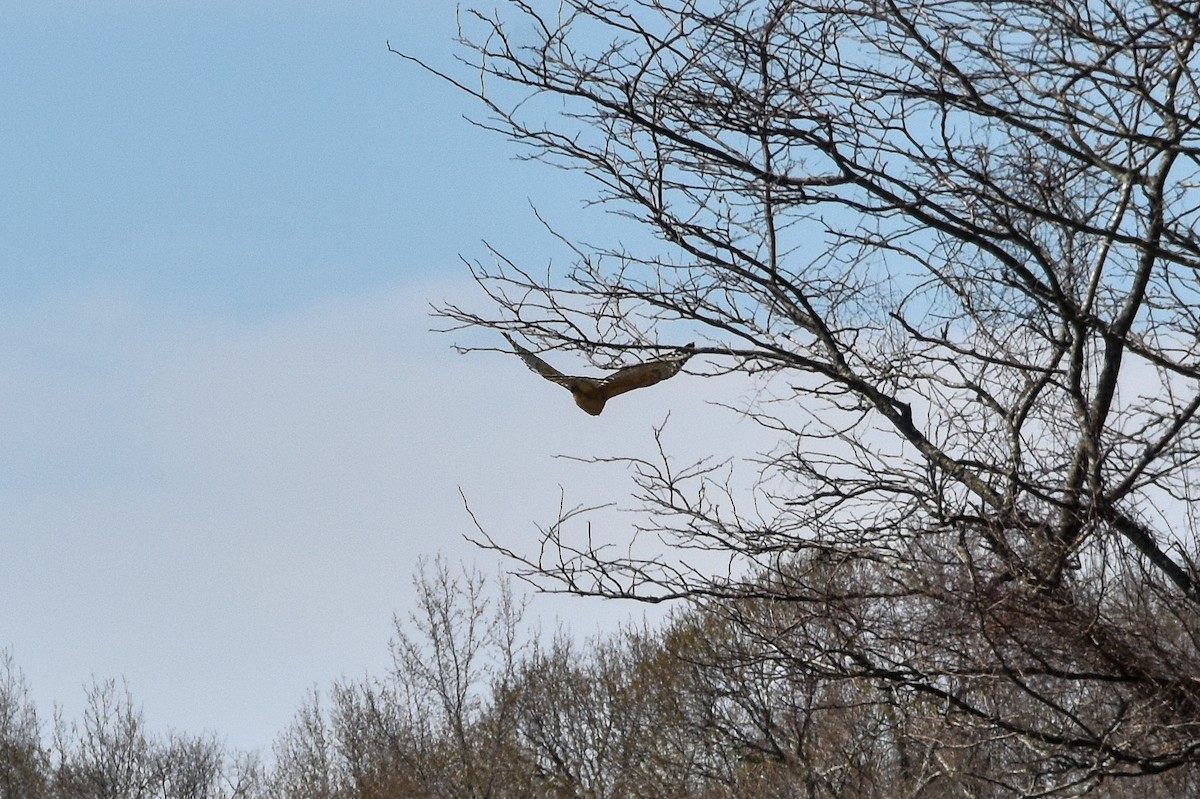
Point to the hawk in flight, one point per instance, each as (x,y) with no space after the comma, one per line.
(591,393)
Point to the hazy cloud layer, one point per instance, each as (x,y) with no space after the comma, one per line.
(229,513)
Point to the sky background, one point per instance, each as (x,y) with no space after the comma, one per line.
(228,433)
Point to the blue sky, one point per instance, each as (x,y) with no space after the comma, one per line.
(247,157)
(228,433)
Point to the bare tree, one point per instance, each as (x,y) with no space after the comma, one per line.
(956,242)
(455,660)
(106,754)
(307,765)
(109,754)
(440,724)
(604,719)
(24,762)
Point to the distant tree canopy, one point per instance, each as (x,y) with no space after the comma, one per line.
(704,707)
(957,243)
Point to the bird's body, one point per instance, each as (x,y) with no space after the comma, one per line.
(591,393)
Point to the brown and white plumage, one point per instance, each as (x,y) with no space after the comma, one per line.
(591,393)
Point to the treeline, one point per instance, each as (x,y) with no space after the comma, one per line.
(109,754)
(703,707)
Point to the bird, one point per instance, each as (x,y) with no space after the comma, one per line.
(591,393)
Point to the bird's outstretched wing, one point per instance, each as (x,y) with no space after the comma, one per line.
(538,365)
(591,393)
(645,374)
